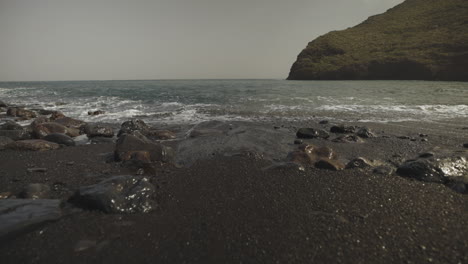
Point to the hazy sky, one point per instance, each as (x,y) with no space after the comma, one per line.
(165,39)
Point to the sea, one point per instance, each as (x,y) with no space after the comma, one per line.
(194,101)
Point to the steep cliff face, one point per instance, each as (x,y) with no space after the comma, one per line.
(416,40)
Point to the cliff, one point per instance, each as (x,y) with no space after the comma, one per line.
(416,40)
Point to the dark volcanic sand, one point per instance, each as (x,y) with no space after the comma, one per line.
(227,208)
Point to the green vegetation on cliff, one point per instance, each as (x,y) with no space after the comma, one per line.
(416,40)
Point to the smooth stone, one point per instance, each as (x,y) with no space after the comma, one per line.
(312,133)
(324,122)
(298,141)
(39,120)
(128,143)
(60,139)
(365,132)
(161,134)
(383,170)
(5,141)
(426,155)
(19,216)
(70,122)
(343,129)
(35,191)
(33,144)
(359,163)
(98,130)
(329,164)
(11,125)
(3,104)
(348,139)
(44,129)
(136,158)
(21,112)
(200,132)
(130,126)
(119,194)
(15,134)
(436,170)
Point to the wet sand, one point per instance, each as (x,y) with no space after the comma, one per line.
(221,205)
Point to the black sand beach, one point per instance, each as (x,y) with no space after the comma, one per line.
(224,200)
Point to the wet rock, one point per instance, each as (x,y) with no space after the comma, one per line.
(32,170)
(3,104)
(5,141)
(424,140)
(161,134)
(56,115)
(11,125)
(33,144)
(465,145)
(44,129)
(404,137)
(98,130)
(343,129)
(365,132)
(128,143)
(19,216)
(101,140)
(458,187)
(39,120)
(426,155)
(137,159)
(70,122)
(383,170)
(119,194)
(200,132)
(309,154)
(35,191)
(5,195)
(423,135)
(312,133)
(15,134)
(21,112)
(298,141)
(329,164)
(97,112)
(60,139)
(440,169)
(348,139)
(360,162)
(324,122)
(128,127)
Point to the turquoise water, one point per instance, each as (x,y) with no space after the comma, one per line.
(191,101)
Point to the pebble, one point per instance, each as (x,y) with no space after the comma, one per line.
(31,170)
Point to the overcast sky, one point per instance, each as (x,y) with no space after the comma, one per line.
(165,39)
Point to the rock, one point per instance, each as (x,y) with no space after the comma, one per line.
(458,187)
(44,129)
(312,133)
(309,154)
(200,132)
(285,166)
(348,139)
(21,112)
(403,137)
(343,129)
(5,141)
(97,112)
(101,140)
(329,164)
(57,115)
(33,144)
(60,139)
(137,159)
(426,155)
(128,143)
(324,122)
(161,134)
(438,170)
(32,170)
(3,104)
(11,125)
(119,194)
(35,191)
(424,140)
(383,170)
(15,134)
(298,141)
(465,145)
(70,122)
(19,216)
(359,163)
(423,135)
(128,127)
(98,130)
(365,132)
(39,120)
(5,195)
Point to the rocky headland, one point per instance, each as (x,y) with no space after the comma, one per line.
(416,40)
(79,192)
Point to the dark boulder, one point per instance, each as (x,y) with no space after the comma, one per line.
(15,134)
(56,115)
(35,191)
(440,169)
(360,162)
(365,132)
(312,133)
(329,164)
(3,104)
(60,139)
(383,170)
(101,140)
(98,130)
(119,194)
(39,120)
(44,129)
(21,112)
(97,112)
(343,129)
(347,139)
(128,127)
(161,134)
(128,143)
(18,216)
(33,144)
(204,132)
(70,122)
(11,125)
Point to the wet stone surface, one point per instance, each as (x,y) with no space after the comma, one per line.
(119,194)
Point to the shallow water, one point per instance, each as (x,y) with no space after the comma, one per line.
(192,101)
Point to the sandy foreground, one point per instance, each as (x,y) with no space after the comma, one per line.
(228,197)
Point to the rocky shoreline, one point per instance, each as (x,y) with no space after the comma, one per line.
(230,191)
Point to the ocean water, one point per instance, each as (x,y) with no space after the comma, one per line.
(192,101)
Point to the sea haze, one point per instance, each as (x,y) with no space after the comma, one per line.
(192,101)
